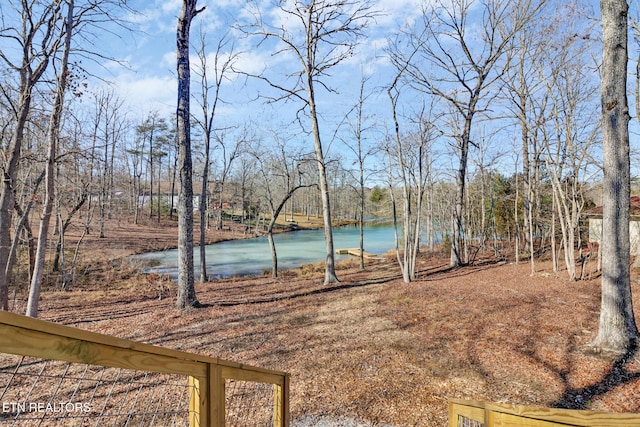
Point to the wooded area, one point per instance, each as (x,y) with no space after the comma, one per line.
(487,130)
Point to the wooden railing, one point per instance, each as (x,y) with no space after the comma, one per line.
(467,413)
(207,376)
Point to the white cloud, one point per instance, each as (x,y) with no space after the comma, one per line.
(147,93)
(170,6)
(168,60)
(153,56)
(224,3)
(397,12)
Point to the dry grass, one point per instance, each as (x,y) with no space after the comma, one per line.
(375,349)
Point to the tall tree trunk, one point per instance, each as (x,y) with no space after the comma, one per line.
(158,201)
(186,287)
(402,261)
(272,244)
(63,229)
(53,132)
(29,76)
(136,197)
(219,218)
(23,223)
(115,136)
(527,194)
(361,215)
(28,79)
(103,176)
(173,186)
(554,245)
(330,269)
(203,213)
(457,238)
(274,253)
(92,157)
(515,219)
(617,330)
(151,169)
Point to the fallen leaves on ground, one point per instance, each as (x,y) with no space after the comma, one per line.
(376,349)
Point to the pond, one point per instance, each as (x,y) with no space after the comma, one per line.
(252,256)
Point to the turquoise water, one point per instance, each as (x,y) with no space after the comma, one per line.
(252,256)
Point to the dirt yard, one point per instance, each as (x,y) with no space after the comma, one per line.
(370,350)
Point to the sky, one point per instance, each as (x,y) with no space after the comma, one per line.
(148,81)
(145,77)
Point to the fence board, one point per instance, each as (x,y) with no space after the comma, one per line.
(566,416)
(463,413)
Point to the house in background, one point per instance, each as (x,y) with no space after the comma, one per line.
(594,217)
(168,194)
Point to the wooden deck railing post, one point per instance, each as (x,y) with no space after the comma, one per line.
(217,397)
(468,409)
(281,403)
(197,403)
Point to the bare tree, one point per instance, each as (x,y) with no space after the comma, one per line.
(152,131)
(231,147)
(522,86)
(53,132)
(411,153)
(37,35)
(482,219)
(23,223)
(209,98)
(459,66)
(246,176)
(282,175)
(362,152)
(617,330)
(72,193)
(569,134)
(543,51)
(39,39)
(135,153)
(186,286)
(320,34)
(112,126)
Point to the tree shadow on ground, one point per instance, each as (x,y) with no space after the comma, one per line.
(425,275)
(300,293)
(619,374)
(437,272)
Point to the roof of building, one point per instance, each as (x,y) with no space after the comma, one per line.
(634,209)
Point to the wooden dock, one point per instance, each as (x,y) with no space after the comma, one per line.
(355,252)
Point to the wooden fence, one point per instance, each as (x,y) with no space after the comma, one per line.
(467,413)
(207,379)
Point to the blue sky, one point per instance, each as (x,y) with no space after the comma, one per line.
(149,82)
